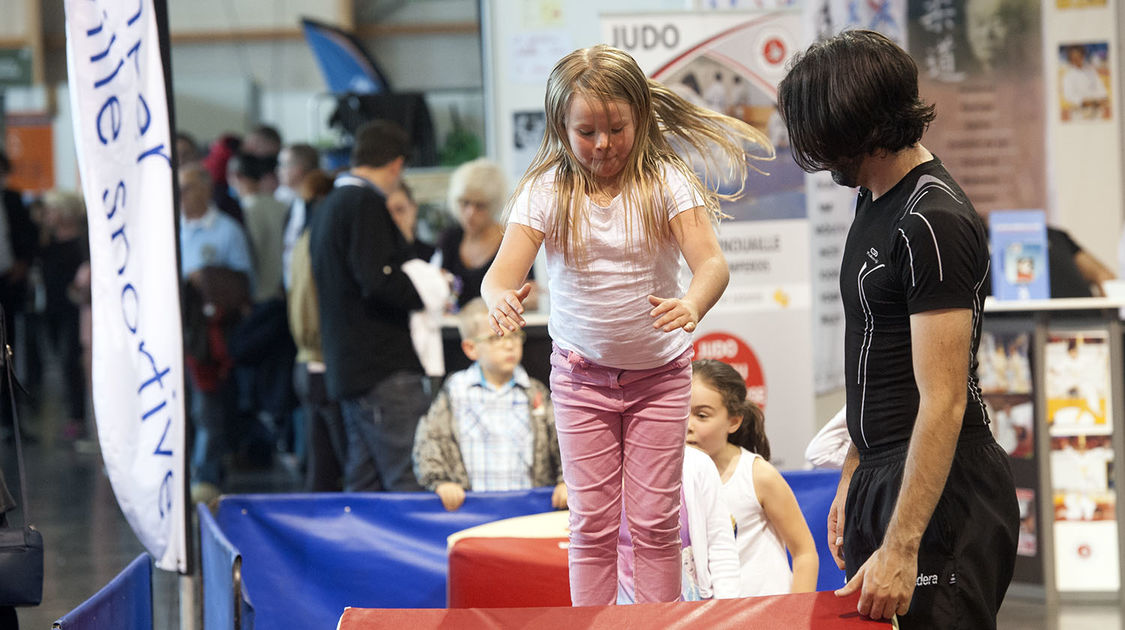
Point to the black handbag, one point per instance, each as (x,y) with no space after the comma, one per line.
(21,549)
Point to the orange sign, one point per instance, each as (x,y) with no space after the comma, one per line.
(30,147)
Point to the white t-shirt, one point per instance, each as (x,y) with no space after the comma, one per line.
(829,447)
(709,562)
(601,311)
(761,553)
(712,539)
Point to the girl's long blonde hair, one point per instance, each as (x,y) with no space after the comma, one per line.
(661,117)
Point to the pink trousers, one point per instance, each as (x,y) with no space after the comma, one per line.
(621,433)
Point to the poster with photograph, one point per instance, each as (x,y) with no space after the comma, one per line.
(1028,542)
(1081,474)
(1084,499)
(731,62)
(1004,375)
(1085,504)
(1013,423)
(1003,364)
(1084,82)
(1077,384)
(981,64)
(825,18)
(527,133)
(1018,240)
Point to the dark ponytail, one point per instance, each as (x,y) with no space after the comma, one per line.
(751,434)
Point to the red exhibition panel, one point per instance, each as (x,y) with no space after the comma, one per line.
(804,611)
(508,573)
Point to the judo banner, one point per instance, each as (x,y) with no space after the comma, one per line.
(122,134)
(731,62)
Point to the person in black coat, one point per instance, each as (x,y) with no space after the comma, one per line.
(18,241)
(364,303)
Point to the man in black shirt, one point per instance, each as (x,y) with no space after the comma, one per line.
(365,301)
(925,515)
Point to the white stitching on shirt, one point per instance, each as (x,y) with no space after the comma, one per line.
(865,347)
(977,308)
(925,184)
(909,251)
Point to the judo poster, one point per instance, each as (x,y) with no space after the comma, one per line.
(1078,383)
(1004,373)
(981,64)
(1084,82)
(731,62)
(1081,457)
(1018,240)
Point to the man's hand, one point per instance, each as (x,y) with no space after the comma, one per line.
(836,526)
(886,583)
(452,495)
(836,511)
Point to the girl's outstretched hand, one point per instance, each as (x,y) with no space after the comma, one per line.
(673,313)
(506,315)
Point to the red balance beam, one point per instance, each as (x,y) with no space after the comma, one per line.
(811,611)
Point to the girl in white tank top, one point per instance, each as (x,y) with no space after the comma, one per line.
(764,513)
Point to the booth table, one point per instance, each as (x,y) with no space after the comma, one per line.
(803,611)
(515,562)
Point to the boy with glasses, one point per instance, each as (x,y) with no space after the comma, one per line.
(491,427)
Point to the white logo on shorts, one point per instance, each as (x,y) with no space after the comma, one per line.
(926,580)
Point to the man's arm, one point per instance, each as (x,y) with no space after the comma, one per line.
(836,511)
(940,343)
(375,259)
(1093,271)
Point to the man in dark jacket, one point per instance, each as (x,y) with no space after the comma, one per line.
(365,303)
(18,241)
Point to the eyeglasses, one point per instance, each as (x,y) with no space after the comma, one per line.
(474,204)
(514,336)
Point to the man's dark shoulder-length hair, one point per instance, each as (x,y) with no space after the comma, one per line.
(852,95)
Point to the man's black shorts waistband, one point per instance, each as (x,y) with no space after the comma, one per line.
(879,455)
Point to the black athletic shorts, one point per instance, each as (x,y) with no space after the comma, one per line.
(968,551)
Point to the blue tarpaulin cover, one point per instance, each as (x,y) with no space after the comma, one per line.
(308,556)
(305,557)
(123,604)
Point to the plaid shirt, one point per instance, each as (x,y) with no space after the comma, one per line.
(484,437)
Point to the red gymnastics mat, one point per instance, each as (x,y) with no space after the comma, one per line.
(508,573)
(804,611)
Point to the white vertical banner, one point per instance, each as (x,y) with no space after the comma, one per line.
(123,139)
